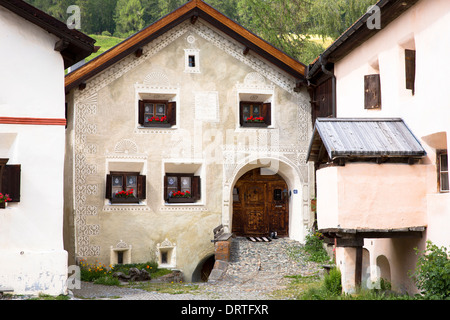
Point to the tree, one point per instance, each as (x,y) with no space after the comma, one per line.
(128,17)
(332,17)
(167,6)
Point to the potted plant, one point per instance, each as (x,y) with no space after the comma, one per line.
(3,199)
(180,197)
(125,197)
(158,122)
(255,122)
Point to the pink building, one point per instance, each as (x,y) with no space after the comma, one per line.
(381,152)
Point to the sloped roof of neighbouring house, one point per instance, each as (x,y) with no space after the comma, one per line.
(192,10)
(363,137)
(73,44)
(359,32)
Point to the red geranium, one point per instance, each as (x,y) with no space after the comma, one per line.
(180,194)
(4,198)
(125,194)
(254,119)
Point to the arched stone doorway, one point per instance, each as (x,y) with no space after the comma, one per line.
(203,269)
(260,204)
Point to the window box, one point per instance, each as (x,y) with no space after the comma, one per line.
(180,200)
(159,125)
(255,124)
(124,200)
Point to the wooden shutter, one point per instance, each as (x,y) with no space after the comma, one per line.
(372,91)
(266,113)
(172,113)
(141,187)
(410,69)
(241,113)
(323,100)
(141,112)
(195,185)
(108,189)
(165,188)
(11,182)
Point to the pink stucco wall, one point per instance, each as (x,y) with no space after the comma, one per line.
(373,196)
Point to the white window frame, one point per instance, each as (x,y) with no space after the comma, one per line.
(196,54)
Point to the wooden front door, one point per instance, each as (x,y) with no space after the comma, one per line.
(260,205)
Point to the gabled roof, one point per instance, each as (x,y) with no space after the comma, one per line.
(191,10)
(73,45)
(363,137)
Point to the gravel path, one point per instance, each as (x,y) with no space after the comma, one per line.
(255,271)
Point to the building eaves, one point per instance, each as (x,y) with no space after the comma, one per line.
(73,45)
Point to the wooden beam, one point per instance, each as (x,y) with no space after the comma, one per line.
(82,86)
(358,266)
(246,50)
(61,44)
(138,52)
(194,19)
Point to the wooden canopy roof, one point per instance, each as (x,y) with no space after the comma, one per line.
(363,137)
(192,10)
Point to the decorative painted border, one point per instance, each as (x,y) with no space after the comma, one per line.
(33,121)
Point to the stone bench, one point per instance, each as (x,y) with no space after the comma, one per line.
(220,234)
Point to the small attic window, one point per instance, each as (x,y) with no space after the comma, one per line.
(192,60)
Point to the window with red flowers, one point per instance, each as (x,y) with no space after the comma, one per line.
(9,181)
(157,113)
(125,187)
(254,114)
(181,188)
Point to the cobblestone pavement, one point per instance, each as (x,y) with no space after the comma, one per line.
(256,269)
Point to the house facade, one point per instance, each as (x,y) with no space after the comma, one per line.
(191,123)
(381,163)
(36,49)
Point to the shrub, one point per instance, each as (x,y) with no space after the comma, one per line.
(332,282)
(432,274)
(314,246)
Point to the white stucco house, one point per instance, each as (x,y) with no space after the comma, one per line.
(35,50)
(380,143)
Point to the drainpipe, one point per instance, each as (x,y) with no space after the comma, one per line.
(323,62)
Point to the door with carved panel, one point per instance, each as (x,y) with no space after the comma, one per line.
(260,205)
(254,204)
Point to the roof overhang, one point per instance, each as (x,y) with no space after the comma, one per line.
(358,33)
(73,44)
(363,138)
(192,10)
